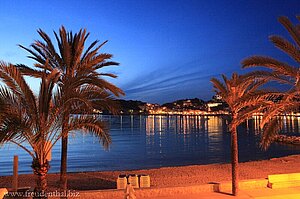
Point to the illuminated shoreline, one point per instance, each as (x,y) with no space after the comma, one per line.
(203,113)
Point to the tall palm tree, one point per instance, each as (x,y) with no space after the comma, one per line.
(34,122)
(283,73)
(239,92)
(80,68)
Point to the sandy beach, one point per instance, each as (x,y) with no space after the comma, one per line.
(168,176)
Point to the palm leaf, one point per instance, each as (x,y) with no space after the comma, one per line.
(221,89)
(280,67)
(290,28)
(270,131)
(25,70)
(91,125)
(287,47)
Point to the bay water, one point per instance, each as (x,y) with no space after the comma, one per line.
(153,141)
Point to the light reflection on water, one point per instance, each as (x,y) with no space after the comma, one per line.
(156,141)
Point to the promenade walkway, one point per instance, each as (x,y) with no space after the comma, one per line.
(263,193)
(260,193)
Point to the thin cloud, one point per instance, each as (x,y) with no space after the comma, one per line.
(161,74)
(169,85)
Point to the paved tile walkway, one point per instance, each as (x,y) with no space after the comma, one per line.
(265,193)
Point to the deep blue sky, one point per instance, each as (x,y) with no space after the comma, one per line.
(168,50)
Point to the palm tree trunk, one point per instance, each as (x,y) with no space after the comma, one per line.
(63,166)
(40,170)
(64,155)
(234,161)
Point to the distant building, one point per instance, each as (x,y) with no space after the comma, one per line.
(213,106)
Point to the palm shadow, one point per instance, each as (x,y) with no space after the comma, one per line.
(217,189)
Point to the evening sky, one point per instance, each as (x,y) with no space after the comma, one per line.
(167,49)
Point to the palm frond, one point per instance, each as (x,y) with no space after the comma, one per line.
(290,28)
(221,89)
(270,131)
(13,78)
(106,63)
(50,47)
(271,63)
(88,49)
(91,125)
(287,47)
(25,70)
(35,56)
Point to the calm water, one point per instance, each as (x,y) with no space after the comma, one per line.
(156,141)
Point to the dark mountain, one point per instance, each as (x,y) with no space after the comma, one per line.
(131,106)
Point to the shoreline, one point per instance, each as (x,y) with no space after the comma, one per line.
(167,176)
